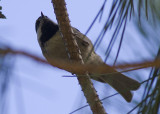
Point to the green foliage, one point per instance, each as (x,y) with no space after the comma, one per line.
(151,96)
(146,16)
(6,65)
(120,12)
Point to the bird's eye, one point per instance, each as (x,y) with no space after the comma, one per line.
(46,17)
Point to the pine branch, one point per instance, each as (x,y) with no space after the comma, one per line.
(75,56)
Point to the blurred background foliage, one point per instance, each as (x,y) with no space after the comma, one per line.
(6,66)
(143,18)
(1,14)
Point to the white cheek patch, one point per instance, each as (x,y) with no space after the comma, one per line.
(39,33)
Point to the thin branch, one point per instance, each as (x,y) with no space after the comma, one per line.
(88,105)
(79,68)
(147,106)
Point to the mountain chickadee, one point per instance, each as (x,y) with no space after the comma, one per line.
(53,48)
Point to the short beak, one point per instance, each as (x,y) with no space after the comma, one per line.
(42,14)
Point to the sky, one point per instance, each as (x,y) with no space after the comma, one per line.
(36,88)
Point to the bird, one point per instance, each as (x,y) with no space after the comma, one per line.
(53,48)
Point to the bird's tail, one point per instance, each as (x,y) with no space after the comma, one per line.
(121,83)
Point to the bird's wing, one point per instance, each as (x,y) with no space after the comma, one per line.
(81,38)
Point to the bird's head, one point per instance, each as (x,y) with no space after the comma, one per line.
(45,28)
(46,23)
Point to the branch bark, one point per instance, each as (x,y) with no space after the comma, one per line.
(75,56)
